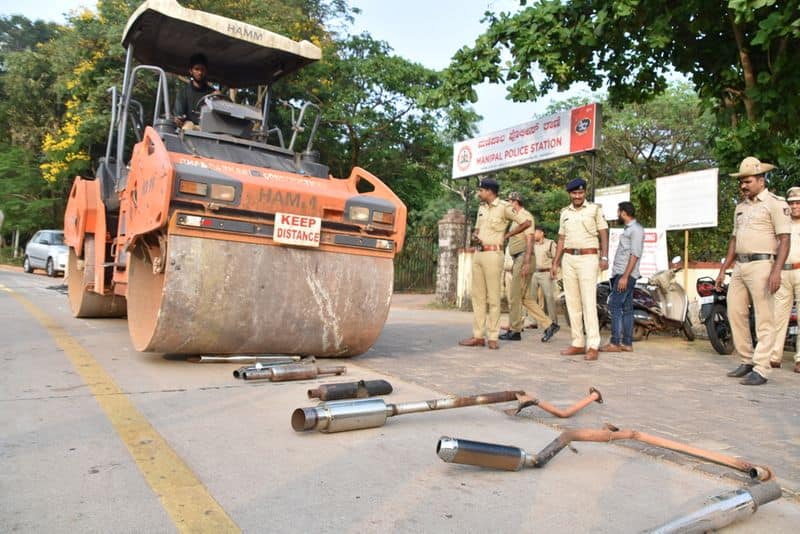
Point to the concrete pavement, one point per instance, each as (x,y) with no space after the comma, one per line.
(64,468)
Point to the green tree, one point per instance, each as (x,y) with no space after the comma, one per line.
(740,56)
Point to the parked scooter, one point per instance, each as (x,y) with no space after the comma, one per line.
(659,304)
(714,314)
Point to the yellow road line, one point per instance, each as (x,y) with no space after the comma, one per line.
(182,495)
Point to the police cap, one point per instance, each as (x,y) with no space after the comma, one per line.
(490,183)
(576,184)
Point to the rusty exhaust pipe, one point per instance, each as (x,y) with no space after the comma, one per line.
(526,400)
(350,390)
(489,455)
(297,371)
(274,360)
(723,510)
(340,416)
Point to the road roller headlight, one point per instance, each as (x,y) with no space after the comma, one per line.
(189,187)
(358,214)
(381,217)
(226,193)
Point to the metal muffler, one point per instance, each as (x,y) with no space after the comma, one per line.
(284,373)
(464,451)
(723,510)
(340,416)
(351,390)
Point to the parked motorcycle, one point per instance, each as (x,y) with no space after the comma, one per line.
(659,304)
(714,314)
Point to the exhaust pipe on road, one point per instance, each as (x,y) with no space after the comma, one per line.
(453,450)
(273,360)
(526,400)
(283,373)
(723,510)
(351,390)
(340,416)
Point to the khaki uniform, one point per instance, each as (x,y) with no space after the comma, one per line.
(519,293)
(487,266)
(786,295)
(756,224)
(580,228)
(544,253)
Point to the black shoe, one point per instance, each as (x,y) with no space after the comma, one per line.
(511,336)
(741,371)
(550,332)
(753,379)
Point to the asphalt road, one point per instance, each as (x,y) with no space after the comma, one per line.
(95,437)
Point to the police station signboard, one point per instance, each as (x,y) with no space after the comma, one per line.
(564,134)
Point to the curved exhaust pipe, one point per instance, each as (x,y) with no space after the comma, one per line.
(455,450)
(341,416)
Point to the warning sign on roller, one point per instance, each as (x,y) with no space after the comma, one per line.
(298,230)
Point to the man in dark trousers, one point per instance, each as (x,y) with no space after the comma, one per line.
(187,98)
(624,273)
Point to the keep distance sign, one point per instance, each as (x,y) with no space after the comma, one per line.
(300,230)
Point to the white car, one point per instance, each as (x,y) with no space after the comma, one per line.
(46,250)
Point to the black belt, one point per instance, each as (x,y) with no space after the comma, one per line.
(745,258)
(791,266)
(517,255)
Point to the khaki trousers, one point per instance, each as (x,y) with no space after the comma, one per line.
(749,284)
(580,288)
(784,298)
(487,270)
(521,296)
(543,280)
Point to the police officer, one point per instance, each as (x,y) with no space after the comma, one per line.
(544,251)
(790,285)
(487,262)
(582,249)
(520,247)
(760,221)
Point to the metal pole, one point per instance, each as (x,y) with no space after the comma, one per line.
(594,162)
(686,261)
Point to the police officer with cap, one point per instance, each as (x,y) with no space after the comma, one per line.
(520,247)
(581,252)
(789,291)
(487,262)
(759,246)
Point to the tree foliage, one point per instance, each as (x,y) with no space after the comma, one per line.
(740,56)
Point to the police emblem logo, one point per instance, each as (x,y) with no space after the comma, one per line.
(582,126)
(464,158)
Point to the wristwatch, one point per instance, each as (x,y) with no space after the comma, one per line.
(605,258)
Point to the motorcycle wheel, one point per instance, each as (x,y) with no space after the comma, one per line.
(687,329)
(719,330)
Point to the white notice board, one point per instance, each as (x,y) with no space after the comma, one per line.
(687,200)
(654,255)
(610,197)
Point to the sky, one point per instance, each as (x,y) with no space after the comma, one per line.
(425,31)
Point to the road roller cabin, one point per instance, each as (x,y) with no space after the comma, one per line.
(232,238)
